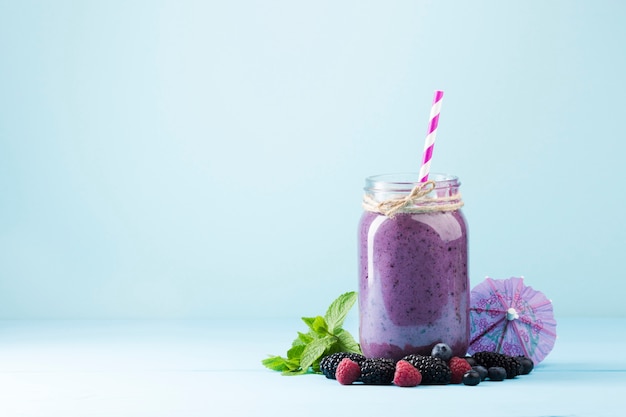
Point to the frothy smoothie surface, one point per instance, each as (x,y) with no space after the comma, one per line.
(413,283)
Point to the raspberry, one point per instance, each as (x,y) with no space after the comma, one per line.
(329,364)
(459,367)
(406,375)
(347,372)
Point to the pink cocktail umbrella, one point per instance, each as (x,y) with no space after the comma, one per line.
(509,317)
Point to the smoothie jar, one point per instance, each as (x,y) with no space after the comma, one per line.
(413,272)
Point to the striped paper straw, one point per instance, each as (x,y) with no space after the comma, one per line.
(430,137)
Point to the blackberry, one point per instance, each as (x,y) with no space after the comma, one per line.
(512,365)
(328,364)
(433,370)
(378,371)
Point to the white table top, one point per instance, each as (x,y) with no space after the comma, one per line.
(212,367)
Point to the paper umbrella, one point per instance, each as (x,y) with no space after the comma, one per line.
(509,317)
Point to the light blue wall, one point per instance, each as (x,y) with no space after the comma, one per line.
(182,159)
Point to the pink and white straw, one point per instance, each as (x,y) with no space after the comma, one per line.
(430,137)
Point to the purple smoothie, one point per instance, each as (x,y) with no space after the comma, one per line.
(413,283)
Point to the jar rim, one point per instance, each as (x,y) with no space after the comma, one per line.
(405,181)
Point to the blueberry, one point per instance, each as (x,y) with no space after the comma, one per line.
(482,371)
(527,365)
(442,351)
(497,373)
(471,360)
(471,378)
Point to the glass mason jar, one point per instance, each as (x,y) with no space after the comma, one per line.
(413,266)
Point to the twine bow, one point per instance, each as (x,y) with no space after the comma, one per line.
(408,204)
(392,206)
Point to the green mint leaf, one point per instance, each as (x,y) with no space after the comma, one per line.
(346,342)
(295,372)
(296,352)
(278,363)
(293,365)
(308,321)
(338,310)
(315,350)
(304,338)
(325,336)
(275,363)
(317,324)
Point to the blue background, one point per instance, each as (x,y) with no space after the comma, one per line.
(181,159)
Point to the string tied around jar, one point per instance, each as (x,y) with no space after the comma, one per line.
(417,201)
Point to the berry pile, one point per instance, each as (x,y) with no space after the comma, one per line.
(440,368)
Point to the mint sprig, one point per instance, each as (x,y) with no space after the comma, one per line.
(324,337)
